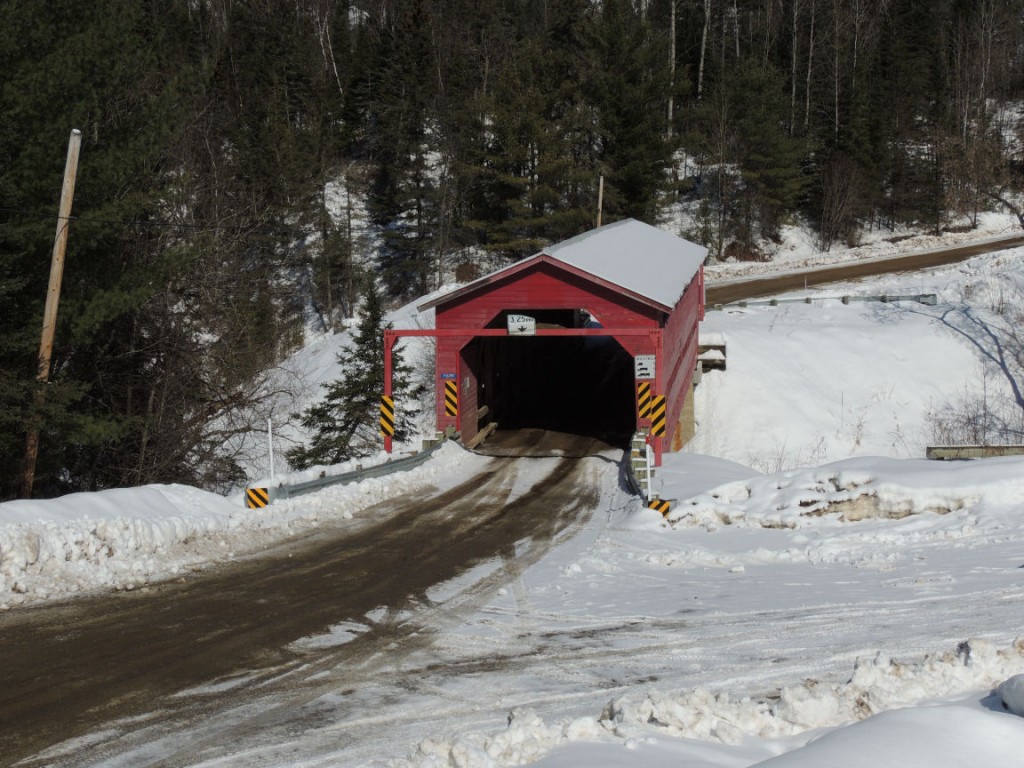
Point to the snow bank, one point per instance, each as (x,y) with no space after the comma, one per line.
(879,684)
(117,538)
(128,538)
(526,740)
(936,737)
(857,489)
(798,248)
(1011,693)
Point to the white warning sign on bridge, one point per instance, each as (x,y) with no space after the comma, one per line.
(521,325)
(644,366)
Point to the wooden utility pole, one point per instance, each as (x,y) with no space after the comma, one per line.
(60,242)
(600,199)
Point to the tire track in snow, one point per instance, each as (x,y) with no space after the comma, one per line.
(284,698)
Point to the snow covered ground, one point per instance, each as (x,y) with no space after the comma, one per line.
(819,594)
(860,379)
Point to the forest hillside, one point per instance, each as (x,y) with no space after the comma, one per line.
(247,166)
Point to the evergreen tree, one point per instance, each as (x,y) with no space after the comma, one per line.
(746,130)
(629,86)
(203,129)
(770,159)
(115,75)
(345,424)
(534,174)
(398,101)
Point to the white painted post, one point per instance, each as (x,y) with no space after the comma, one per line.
(647,468)
(270,449)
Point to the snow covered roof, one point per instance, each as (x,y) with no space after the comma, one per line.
(645,261)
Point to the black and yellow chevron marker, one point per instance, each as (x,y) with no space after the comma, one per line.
(451,398)
(643,399)
(660,505)
(658,416)
(257,498)
(387,416)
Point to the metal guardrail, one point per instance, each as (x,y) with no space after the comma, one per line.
(929,299)
(640,486)
(285,491)
(960,452)
(628,475)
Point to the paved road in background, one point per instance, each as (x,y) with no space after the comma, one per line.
(727,291)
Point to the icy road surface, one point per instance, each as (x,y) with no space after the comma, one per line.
(222,657)
(537,589)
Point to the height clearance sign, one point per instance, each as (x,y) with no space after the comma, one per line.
(521,325)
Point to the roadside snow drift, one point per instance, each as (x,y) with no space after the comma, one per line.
(126,538)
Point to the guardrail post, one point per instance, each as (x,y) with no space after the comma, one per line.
(638,461)
(270,449)
(648,461)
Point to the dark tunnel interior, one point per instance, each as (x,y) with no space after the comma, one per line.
(578,385)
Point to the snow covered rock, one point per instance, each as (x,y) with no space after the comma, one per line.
(1012,694)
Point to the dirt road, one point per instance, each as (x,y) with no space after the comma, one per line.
(69,669)
(727,291)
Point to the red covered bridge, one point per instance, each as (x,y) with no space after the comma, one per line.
(586,336)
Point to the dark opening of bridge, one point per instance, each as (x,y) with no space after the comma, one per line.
(578,385)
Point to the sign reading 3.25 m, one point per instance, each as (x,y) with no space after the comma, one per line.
(521,325)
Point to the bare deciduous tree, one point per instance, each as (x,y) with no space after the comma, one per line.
(703,47)
(995,329)
(841,189)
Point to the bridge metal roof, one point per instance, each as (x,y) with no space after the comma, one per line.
(646,262)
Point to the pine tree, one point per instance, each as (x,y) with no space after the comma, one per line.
(115,72)
(533,177)
(345,422)
(399,106)
(628,85)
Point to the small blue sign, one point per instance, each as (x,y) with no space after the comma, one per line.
(448,376)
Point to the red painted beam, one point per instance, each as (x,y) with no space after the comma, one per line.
(540,332)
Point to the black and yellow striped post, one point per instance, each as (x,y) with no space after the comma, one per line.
(660,505)
(659,416)
(387,416)
(643,399)
(451,399)
(257,498)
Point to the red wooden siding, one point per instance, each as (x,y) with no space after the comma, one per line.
(680,352)
(545,284)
